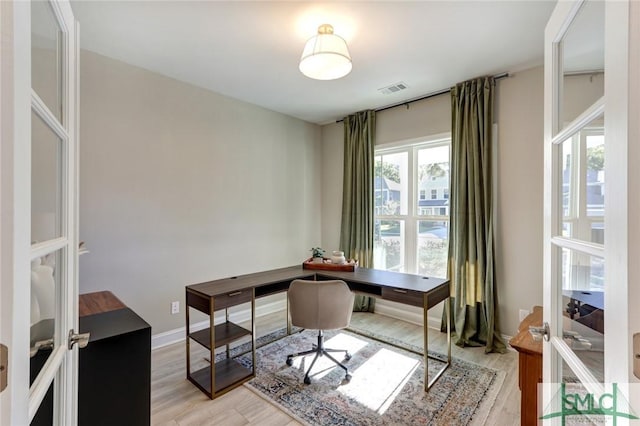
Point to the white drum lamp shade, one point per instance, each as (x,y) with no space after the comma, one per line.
(325,56)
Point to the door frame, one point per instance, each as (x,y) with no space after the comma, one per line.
(622,201)
(19,402)
(14,253)
(622,186)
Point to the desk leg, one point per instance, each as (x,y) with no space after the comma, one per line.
(288,317)
(188,328)
(428,383)
(425,346)
(226,318)
(253,332)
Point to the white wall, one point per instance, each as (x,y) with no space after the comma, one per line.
(180,185)
(519,114)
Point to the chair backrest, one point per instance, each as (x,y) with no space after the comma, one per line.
(320,305)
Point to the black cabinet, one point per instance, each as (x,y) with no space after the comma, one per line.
(114,377)
(114,381)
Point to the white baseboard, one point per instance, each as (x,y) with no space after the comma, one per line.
(405,313)
(178,334)
(402,312)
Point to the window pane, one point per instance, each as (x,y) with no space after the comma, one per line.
(582,307)
(46,201)
(568,209)
(595,175)
(582,170)
(583,67)
(46,64)
(433,181)
(389,245)
(391,184)
(433,243)
(581,271)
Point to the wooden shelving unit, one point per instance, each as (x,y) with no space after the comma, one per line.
(227,373)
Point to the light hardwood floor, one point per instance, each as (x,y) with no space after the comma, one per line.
(175,401)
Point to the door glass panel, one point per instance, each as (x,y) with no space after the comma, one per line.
(46,57)
(582,171)
(389,245)
(46,182)
(433,181)
(433,244)
(46,273)
(583,62)
(391,183)
(582,307)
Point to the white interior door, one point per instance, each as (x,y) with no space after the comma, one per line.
(39,205)
(591,281)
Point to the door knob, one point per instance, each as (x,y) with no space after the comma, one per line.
(82,339)
(539,333)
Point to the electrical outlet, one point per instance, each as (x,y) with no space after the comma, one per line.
(523,314)
(175,307)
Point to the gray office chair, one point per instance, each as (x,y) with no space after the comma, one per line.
(320,305)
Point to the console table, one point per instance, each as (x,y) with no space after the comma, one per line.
(529,367)
(209,297)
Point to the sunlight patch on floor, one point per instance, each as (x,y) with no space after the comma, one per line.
(378,381)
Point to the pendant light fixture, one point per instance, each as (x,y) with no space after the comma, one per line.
(325,56)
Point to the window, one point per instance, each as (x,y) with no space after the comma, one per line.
(582,214)
(412,208)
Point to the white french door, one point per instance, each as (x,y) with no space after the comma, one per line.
(39,225)
(591,210)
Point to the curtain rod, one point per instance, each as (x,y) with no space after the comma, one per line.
(430,95)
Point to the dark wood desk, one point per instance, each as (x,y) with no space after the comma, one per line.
(208,297)
(529,367)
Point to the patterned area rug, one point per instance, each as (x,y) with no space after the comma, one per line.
(386,388)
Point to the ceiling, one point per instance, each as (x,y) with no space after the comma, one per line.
(250,50)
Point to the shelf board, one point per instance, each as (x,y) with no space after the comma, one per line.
(225,333)
(228,373)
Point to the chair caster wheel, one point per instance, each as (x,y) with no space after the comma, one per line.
(289,362)
(307,380)
(347,378)
(347,356)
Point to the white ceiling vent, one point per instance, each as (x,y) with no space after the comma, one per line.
(393,88)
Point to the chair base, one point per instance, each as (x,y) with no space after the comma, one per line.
(320,350)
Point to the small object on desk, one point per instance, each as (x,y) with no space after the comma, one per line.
(348,266)
(317,253)
(338,257)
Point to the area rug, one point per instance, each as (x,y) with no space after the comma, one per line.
(387,387)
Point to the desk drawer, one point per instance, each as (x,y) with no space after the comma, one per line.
(231,299)
(408,297)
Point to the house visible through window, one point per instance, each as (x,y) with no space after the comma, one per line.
(412,208)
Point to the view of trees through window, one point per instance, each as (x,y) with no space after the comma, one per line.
(412,208)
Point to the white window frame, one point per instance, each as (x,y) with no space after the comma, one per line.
(409,249)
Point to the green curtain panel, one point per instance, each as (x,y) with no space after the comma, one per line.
(471,262)
(356,232)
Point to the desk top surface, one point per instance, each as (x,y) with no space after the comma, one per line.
(523,341)
(374,277)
